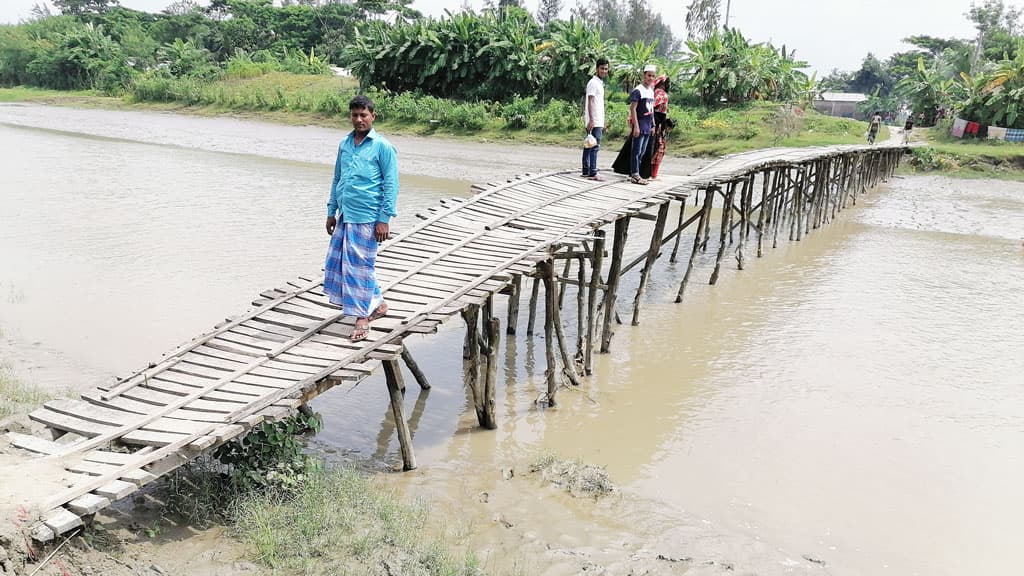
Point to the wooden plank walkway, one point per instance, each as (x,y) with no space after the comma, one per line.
(294,345)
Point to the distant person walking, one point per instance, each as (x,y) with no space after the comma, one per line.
(360,205)
(907,127)
(593,116)
(641,119)
(876,123)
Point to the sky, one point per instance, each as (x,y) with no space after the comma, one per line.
(826,33)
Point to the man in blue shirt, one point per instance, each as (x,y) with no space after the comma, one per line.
(641,118)
(360,206)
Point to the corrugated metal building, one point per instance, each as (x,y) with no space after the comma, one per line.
(843,104)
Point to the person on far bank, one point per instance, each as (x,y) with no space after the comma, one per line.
(593,115)
(641,120)
(360,206)
(876,123)
(907,127)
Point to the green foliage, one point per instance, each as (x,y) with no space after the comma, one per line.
(516,113)
(628,21)
(726,67)
(338,522)
(996,95)
(183,58)
(466,56)
(269,456)
(16,396)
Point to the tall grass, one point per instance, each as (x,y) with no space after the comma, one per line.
(15,396)
(339,523)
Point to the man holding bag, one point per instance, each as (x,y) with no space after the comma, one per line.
(593,117)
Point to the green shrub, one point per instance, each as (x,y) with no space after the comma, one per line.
(516,113)
(556,116)
(465,115)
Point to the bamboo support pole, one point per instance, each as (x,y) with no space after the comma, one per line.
(596,261)
(705,214)
(764,211)
(565,274)
(745,191)
(470,314)
(485,320)
(652,256)
(723,235)
(679,230)
(533,306)
(581,309)
(512,317)
(414,369)
(707,221)
(487,416)
(618,247)
(392,375)
(546,271)
(730,206)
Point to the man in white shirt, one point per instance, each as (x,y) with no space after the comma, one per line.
(593,116)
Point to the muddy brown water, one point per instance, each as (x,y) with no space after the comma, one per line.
(849,404)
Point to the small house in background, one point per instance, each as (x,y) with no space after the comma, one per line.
(842,104)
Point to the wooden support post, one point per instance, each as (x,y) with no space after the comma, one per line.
(533,306)
(679,230)
(705,214)
(596,261)
(766,178)
(619,246)
(652,256)
(726,218)
(485,320)
(546,270)
(565,274)
(581,309)
(730,197)
(568,366)
(414,368)
(392,375)
(487,417)
(713,190)
(778,204)
(472,353)
(394,371)
(745,200)
(512,318)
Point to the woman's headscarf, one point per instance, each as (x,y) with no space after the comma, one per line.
(661,85)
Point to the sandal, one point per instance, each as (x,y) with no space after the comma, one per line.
(360,331)
(638,180)
(379,312)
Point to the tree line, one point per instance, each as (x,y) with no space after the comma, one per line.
(979,79)
(497,54)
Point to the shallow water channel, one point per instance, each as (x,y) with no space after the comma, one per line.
(849,404)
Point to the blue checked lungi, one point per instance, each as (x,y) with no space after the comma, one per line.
(349,278)
(1015,135)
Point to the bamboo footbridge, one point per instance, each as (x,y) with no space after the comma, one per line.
(294,345)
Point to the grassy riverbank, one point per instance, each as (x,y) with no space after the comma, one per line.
(322,100)
(17,397)
(960,158)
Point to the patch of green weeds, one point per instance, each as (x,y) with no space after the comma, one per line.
(338,522)
(17,397)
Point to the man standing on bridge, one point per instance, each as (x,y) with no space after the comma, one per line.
(593,117)
(359,207)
